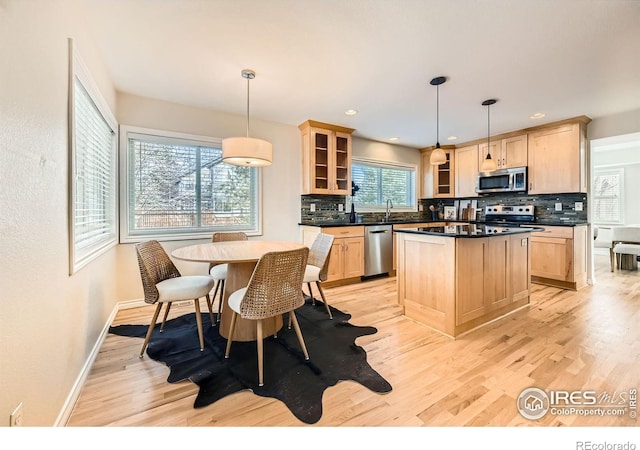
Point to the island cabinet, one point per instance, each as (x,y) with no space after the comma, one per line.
(455,285)
(557,160)
(559,256)
(437,181)
(507,152)
(326,158)
(346,260)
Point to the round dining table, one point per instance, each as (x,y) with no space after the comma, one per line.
(241,258)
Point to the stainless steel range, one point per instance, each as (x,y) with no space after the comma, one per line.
(501,215)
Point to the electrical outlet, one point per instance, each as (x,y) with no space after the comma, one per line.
(558,206)
(578,206)
(340,207)
(420,207)
(523,242)
(15,420)
(312,207)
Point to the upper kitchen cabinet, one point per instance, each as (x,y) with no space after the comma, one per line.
(326,158)
(557,158)
(437,181)
(507,153)
(466,171)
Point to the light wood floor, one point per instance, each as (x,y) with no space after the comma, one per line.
(567,340)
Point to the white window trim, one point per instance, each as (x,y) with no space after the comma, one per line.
(125,237)
(79,70)
(619,169)
(390,165)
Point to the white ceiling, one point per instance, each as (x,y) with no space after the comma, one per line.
(314,59)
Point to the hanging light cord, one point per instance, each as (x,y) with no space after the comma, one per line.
(438,116)
(248,79)
(488,133)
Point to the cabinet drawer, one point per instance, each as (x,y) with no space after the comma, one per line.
(340,232)
(554,231)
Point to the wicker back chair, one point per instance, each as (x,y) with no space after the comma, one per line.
(316,270)
(162,283)
(274,289)
(219,271)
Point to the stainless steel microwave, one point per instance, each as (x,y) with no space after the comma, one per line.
(503,180)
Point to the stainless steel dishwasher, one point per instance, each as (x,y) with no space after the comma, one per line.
(378,249)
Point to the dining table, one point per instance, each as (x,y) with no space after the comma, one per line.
(241,258)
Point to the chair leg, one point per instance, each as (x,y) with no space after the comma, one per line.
(199,322)
(260,353)
(611,258)
(326,305)
(210,306)
(313,299)
(232,328)
(152,325)
(164,318)
(299,334)
(220,299)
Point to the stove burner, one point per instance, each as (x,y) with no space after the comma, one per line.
(503,214)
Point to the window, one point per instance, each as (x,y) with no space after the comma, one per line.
(607,196)
(92,172)
(177,187)
(380,181)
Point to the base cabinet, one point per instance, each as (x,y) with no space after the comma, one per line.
(346,260)
(457,284)
(559,256)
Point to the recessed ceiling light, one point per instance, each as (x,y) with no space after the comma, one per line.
(393,138)
(452,138)
(351,112)
(538,115)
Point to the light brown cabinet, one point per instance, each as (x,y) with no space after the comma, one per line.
(508,152)
(557,159)
(466,171)
(346,260)
(457,284)
(437,181)
(559,256)
(326,158)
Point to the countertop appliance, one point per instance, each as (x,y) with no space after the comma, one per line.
(514,215)
(378,249)
(503,180)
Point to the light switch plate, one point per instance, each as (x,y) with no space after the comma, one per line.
(558,206)
(578,206)
(340,207)
(312,207)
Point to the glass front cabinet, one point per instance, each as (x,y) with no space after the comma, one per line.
(326,158)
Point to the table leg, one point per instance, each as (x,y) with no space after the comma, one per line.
(238,276)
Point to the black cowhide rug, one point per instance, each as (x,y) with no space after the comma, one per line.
(299,384)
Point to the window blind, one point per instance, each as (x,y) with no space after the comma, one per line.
(379,182)
(94,178)
(607,196)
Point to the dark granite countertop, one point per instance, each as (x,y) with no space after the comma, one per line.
(327,223)
(472,230)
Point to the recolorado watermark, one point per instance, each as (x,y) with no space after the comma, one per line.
(534,403)
(588,445)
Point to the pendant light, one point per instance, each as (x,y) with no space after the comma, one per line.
(488,165)
(247,151)
(438,156)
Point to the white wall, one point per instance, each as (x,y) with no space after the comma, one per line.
(49,320)
(382,151)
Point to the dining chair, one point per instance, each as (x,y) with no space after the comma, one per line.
(626,241)
(602,239)
(219,271)
(317,265)
(274,289)
(163,284)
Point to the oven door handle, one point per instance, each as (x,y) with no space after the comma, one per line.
(511,181)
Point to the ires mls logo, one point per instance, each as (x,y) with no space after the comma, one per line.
(534,403)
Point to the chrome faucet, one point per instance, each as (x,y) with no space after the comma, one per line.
(388,212)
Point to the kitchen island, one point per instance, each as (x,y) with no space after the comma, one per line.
(459,277)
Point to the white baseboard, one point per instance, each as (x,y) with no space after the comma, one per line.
(70,402)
